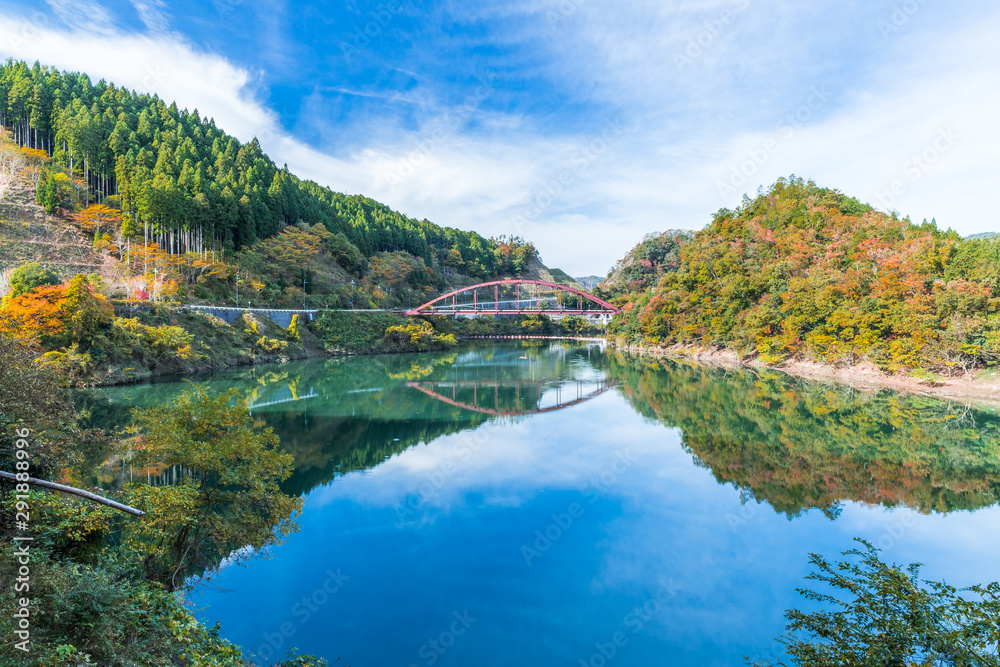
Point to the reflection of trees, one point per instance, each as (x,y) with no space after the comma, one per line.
(381,415)
(331,446)
(422,367)
(799,445)
(352,413)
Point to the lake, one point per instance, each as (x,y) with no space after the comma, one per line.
(528,503)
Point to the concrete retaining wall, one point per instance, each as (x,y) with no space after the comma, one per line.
(282,318)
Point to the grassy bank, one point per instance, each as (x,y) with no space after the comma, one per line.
(162,341)
(521,325)
(353,332)
(381,332)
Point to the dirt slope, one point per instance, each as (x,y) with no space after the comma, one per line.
(28,233)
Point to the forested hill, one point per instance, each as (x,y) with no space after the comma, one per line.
(807,272)
(645,264)
(181,182)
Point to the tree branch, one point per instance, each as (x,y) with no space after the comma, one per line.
(76,492)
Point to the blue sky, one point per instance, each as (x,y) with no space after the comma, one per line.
(579,124)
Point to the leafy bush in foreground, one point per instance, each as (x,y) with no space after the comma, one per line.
(888,617)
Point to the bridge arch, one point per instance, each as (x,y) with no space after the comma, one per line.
(431,389)
(605,308)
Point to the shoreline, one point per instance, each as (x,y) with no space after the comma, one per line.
(312,351)
(865,376)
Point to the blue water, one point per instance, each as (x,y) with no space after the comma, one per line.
(584,535)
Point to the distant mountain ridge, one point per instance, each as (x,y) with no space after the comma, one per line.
(590,282)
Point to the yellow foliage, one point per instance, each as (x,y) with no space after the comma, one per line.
(412,336)
(270,345)
(69,519)
(70,363)
(157,342)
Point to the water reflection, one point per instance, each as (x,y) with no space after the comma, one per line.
(794,444)
(439,507)
(798,445)
(477,392)
(346,414)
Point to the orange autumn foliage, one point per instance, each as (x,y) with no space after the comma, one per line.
(56,315)
(36,316)
(98,219)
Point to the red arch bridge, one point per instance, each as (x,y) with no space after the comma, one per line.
(516,297)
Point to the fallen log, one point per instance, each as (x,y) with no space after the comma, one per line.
(74,491)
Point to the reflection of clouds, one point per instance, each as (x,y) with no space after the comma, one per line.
(519,459)
(934,539)
(672,516)
(663,518)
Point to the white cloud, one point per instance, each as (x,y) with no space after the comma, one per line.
(923,122)
(153,15)
(165,66)
(82,16)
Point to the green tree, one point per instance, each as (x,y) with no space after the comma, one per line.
(47,192)
(230,498)
(888,617)
(27,277)
(535,324)
(574,325)
(31,398)
(85,314)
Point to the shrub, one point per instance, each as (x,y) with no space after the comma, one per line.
(101,615)
(416,337)
(158,343)
(270,345)
(63,523)
(355,332)
(69,364)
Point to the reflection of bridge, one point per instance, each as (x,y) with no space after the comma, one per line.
(291,399)
(429,389)
(540,297)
